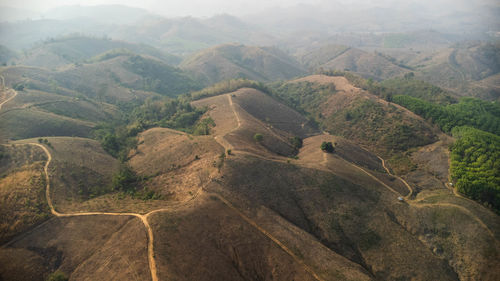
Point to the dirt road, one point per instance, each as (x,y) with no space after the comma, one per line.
(143,218)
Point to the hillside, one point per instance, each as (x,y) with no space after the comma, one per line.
(238,61)
(345,110)
(237,200)
(343,58)
(115,78)
(58,52)
(469,69)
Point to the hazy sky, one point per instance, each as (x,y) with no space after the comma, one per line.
(166,7)
(236,7)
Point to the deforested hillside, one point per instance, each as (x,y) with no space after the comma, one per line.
(469,69)
(114,76)
(342,58)
(239,61)
(332,141)
(58,52)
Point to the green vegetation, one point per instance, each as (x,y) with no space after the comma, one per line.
(228,86)
(305,97)
(159,77)
(258,137)
(203,126)
(126,180)
(57,276)
(475,165)
(468,112)
(415,88)
(296,142)
(327,147)
(118,137)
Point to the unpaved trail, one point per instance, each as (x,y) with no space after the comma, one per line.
(238,120)
(418,204)
(9,99)
(143,218)
(221,140)
(410,190)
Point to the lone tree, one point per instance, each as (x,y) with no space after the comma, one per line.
(327,147)
(258,137)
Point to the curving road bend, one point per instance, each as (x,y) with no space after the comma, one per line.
(143,218)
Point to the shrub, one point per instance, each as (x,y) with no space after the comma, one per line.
(57,276)
(258,137)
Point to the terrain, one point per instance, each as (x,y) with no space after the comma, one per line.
(238,61)
(363,145)
(313,216)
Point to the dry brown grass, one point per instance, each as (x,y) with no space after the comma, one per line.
(240,136)
(212,242)
(89,248)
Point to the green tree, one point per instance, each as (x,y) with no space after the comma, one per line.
(327,147)
(125,180)
(258,137)
(296,142)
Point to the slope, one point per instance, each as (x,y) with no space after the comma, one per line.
(238,61)
(78,49)
(468,69)
(337,57)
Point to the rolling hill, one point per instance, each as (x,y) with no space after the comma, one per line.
(251,209)
(238,61)
(110,77)
(343,58)
(469,69)
(58,52)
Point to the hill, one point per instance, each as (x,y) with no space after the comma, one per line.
(469,69)
(238,61)
(343,58)
(358,115)
(112,77)
(249,209)
(58,52)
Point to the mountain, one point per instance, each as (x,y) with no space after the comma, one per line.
(238,61)
(179,36)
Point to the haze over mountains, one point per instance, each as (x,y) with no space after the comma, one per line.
(265,140)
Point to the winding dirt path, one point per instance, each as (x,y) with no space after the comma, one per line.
(410,189)
(222,141)
(143,218)
(418,204)
(9,99)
